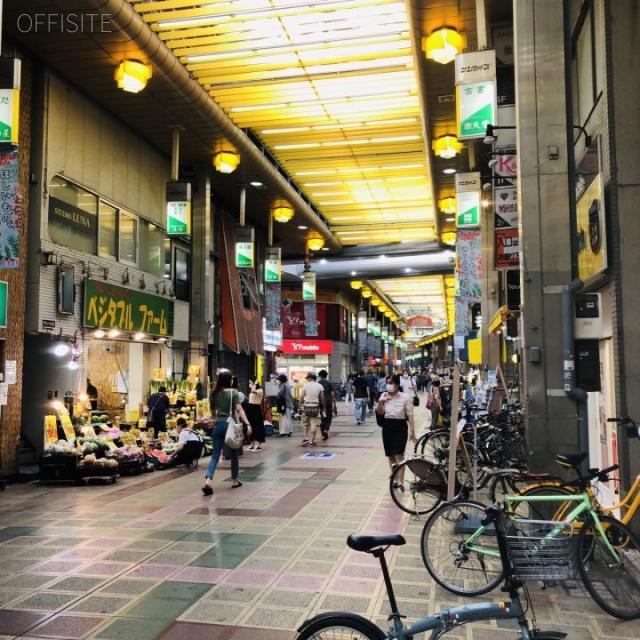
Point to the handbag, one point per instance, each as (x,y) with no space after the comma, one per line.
(379,418)
(416,400)
(311,409)
(235,435)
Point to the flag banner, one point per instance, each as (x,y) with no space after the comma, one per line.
(272,306)
(310,320)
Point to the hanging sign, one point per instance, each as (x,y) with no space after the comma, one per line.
(178,208)
(506,208)
(468,213)
(4,288)
(475,93)
(273,264)
(507,248)
(244,247)
(309,286)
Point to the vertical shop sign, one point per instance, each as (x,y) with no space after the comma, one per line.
(475,93)
(244,247)
(178,208)
(4,289)
(10,212)
(10,80)
(468,199)
(50,430)
(273,264)
(308,286)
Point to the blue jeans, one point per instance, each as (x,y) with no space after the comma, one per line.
(361,408)
(217,436)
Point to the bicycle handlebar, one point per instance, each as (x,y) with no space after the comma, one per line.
(633,429)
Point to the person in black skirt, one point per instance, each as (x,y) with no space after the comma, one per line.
(395,410)
(255,412)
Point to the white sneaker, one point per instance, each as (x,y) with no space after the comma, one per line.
(305,442)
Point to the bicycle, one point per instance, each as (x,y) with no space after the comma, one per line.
(460,557)
(340,625)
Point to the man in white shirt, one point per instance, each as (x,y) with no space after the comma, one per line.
(312,403)
(408,384)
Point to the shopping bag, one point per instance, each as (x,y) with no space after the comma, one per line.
(235,435)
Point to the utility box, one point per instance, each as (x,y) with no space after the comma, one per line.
(589,314)
(587,359)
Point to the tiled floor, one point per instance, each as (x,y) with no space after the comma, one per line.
(151,557)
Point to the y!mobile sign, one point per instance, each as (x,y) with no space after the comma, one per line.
(312,347)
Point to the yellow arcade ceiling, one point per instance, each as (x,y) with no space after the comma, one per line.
(330,89)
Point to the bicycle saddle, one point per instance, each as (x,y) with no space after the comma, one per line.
(367,543)
(571,459)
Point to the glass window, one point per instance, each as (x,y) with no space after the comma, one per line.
(108,230)
(128,238)
(73,216)
(181,284)
(152,252)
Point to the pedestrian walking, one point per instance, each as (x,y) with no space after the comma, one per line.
(331,408)
(255,413)
(285,406)
(311,402)
(360,397)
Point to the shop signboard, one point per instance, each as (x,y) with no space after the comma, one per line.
(50,430)
(309,286)
(109,306)
(590,216)
(273,264)
(468,214)
(178,208)
(4,288)
(507,248)
(307,347)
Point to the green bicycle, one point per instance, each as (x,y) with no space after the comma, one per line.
(461,554)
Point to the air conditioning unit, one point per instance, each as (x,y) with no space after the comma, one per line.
(588,316)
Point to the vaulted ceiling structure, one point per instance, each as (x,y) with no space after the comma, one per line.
(332,105)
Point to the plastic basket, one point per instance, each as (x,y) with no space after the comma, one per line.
(542,550)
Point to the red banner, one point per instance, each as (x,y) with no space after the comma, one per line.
(507,249)
(307,347)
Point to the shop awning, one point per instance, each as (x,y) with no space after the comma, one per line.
(441,335)
(241,320)
(501,316)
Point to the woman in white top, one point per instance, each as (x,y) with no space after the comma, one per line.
(398,425)
(255,414)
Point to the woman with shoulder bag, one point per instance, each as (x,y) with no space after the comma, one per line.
(395,410)
(255,413)
(225,401)
(436,402)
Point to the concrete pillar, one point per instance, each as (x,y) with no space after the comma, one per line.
(201,282)
(544,224)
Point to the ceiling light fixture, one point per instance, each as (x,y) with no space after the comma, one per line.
(282,213)
(315,244)
(132,75)
(446,146)
(448,204)
(366,292)
(356,284)
(443,45)
(226,161)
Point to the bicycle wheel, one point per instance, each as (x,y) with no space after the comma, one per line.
(417,486)
(612,579)
(500,486)
(448,559)
(340,626)
(544,510)
(434,445)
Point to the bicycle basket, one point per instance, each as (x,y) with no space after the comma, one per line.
(542,550)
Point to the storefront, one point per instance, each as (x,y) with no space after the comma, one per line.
(298,357)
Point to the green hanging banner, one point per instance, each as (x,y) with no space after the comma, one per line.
(178,208)
(244,247)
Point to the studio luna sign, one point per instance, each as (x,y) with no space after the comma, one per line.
(109,306)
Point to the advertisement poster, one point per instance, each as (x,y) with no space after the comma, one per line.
(506,208)
(507,249)
(469,265)
(590,216)
(11,212)
(50,430)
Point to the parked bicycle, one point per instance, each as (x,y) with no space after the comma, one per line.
(461,556)
(341,625)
